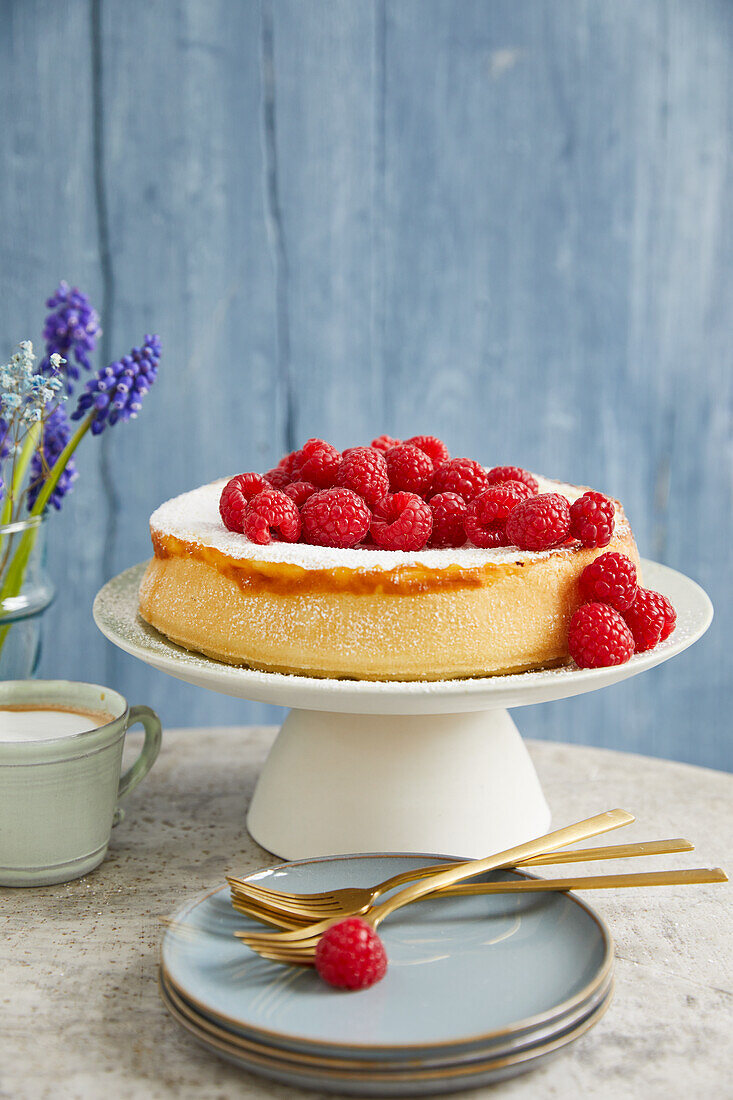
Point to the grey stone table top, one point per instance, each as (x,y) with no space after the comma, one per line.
(79,1010)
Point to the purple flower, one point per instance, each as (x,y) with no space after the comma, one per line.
(116,391)
(72,327)
(56,434)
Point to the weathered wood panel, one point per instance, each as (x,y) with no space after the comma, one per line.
(49,231)
(509,224)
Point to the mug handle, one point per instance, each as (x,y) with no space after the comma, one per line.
(150,722)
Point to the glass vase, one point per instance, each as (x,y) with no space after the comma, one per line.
(25,593)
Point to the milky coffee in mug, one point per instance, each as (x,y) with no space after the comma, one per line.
(43,722)
(60,762)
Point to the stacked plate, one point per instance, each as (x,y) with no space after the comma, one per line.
(478,988)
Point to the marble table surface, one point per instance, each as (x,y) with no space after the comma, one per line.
(80,1015)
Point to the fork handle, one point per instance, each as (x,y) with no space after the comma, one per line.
(689,876)
(570,834)
(579,855)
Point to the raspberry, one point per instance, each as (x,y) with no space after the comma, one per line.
(486,535)
(235,497)
(278,477)
(433,447)
(670,619)
(299,491)
(350,955)
(592,519)
(289,462)
(410,469)
(402,522)
(448,511)
(459,475)
(610,579)
(317,462)
(385,443)
(651,618)
(364,471)
(486,514)
(539,522)
(270,514)
(512,473)
(599,637)
(335,517)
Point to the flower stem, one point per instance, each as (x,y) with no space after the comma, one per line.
(21,465)
(59,466)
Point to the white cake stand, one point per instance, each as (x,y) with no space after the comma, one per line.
(360,766)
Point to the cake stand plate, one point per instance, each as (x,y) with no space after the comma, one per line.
(365,766)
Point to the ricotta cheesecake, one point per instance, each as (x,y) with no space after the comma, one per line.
(362,611)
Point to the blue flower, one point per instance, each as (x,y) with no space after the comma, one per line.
(56,434)
(116,391)
(23,394)
(72,327)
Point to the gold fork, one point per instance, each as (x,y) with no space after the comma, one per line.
(350,901)
(686,877)
(299,945)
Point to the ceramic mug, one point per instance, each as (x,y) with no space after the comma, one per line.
(58,796)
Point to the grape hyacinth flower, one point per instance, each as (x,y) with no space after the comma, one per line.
(116,392)
(72,327)
(56,434)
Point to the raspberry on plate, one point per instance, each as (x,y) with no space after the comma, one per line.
(385,443)
(236,495)
(433,447)
(402,522)
(651,618)
(271,514)
(364,471)
(350,955)
(486,514)
(299,491)
(539,522)
(592,519)
(410,469)
(610,579)
(317,462)
(497,474)
(335,517)
(599,637)
(670,619)
(459,475)
(449,511)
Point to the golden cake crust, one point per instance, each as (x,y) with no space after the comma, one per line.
(380,616)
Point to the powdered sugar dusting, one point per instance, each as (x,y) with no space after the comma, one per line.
(194,517)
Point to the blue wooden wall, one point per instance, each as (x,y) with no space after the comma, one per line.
(505,223)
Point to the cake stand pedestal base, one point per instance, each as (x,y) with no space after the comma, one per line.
(461,784)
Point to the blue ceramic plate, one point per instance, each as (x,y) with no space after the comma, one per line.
(440,1058)
(415,1080)
(462,972)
